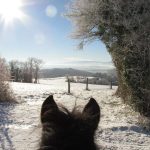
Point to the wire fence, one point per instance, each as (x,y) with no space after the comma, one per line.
(86,84)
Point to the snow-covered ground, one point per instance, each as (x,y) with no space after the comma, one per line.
(20,124)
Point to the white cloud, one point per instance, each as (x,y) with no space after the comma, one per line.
(51,11)
(40,38)
(74,59)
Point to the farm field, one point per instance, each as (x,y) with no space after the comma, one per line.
(20,127)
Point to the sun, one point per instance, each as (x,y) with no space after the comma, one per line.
(10,10)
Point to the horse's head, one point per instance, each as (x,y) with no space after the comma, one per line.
(64,130)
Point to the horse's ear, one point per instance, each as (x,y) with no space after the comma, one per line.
(91,113)
(48,104)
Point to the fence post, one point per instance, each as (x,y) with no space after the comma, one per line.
(87,80)
(111,84)
(68,85)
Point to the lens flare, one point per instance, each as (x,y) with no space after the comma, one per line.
(11,10)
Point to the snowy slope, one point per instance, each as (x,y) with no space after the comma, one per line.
(20,124)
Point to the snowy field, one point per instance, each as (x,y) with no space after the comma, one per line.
(20,124)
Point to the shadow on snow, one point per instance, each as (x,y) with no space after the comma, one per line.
(5,120)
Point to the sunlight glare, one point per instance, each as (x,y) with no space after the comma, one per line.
(10,10)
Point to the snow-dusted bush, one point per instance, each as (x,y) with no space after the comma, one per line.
(124,27)
(5,90)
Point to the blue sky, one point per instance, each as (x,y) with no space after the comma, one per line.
(44,34)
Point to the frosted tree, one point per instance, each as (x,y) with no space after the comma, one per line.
(124,27)
(36,65)
(26,71)
(5,90)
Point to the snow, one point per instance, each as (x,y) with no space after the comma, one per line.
(20,127)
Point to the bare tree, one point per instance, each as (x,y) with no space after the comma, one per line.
(16,68)
(36,65)
(124,27)
(27,73)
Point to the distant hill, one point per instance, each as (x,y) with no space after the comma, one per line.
(61,72)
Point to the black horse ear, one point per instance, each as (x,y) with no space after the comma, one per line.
(91,113)
(48,104)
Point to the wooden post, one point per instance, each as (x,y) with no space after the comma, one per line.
(87,80)
(111,84)
(68,85)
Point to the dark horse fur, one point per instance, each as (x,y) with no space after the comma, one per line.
(65,130)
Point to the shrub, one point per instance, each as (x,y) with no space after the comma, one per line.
(6,93)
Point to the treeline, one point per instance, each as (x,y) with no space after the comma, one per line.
(97,78)
(27,71)
(106,78)
(93,80)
